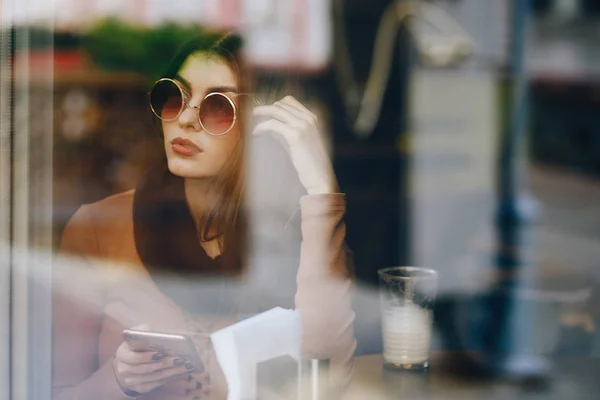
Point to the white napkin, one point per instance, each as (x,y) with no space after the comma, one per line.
(240,347)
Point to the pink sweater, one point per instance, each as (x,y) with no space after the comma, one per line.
(102,287)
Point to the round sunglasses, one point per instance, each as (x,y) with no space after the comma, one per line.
(217,113)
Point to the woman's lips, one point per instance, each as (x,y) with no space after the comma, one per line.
(185,147)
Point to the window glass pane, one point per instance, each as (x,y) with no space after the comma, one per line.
(197,198)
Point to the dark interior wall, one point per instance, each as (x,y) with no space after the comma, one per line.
(373,171)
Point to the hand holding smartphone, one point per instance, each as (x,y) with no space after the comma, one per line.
(147,360)
(169,344)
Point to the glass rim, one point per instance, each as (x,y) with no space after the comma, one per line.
(428,272)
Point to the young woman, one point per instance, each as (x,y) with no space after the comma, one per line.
(177,254)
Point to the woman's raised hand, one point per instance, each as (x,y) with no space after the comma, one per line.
(297,129)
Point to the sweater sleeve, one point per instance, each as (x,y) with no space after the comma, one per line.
(323,283)
(78,311)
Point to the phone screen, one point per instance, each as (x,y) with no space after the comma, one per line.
(172,345)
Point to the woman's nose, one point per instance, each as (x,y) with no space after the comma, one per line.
(189,118)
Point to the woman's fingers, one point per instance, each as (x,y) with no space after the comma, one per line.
(277,113)
(287,111)
(306,117)
(133,381)
(291,100)
(143,371)
(273,126)
(126,355)
(140,369)
(150,386)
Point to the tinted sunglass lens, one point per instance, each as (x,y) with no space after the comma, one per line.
(166,100)
(217,114)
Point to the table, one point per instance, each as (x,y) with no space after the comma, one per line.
(573,378)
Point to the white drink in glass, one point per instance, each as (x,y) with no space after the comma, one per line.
(406,335)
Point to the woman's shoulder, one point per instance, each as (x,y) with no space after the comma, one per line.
(102,230)
(116,204)
(111,214)
(106,219)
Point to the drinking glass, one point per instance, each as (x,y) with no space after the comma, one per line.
(407,296)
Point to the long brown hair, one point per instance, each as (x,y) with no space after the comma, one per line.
(227,213)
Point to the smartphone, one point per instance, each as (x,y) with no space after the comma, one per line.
(170,344)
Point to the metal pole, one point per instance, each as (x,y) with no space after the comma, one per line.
(510,211)
(507,330)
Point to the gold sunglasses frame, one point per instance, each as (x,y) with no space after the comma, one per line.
(185,105)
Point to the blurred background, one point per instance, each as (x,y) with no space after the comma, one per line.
(465,134)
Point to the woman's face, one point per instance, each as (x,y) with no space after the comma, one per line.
(200,155)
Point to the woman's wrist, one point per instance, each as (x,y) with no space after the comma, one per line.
(327,187)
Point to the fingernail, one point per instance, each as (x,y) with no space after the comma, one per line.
(178,362)
(189,365)
(158,356)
